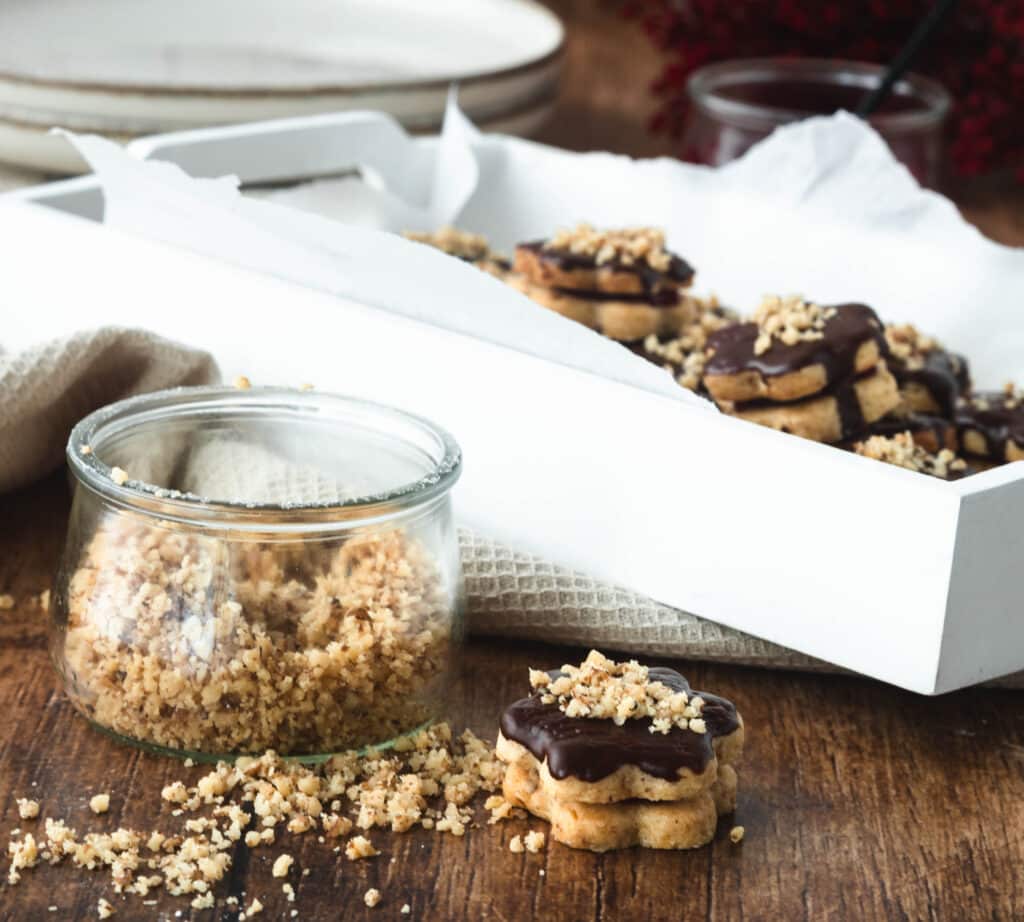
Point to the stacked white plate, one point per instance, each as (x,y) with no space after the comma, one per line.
(126,68)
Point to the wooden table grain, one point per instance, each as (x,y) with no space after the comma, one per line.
(860,801)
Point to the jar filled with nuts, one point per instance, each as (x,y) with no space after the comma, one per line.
(253,569)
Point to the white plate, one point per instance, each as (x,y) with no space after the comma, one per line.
(126,68)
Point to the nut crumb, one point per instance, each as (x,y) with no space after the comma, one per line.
(85,450)
(603,689)
(27,809)
(790,320)
(282,865)
(104,909)
(242,383)
(99,803)
(516,845)
(534,841)
(406,909)
(626,247)
(119,475)
(359,847)
(371,897)
(255,908)
(902,451)
(736,834)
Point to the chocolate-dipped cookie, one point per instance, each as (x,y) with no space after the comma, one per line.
(621,317)
(840,413)
(616,754)
(628,261)
(930,378)
(990,426)
(792,349)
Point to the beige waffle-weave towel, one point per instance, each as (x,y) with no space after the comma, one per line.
(48,388)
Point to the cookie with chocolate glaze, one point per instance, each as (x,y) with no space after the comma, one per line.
(621,317)
(601,827)
(792,349)
(840,413)
(596,761)
(931,379)
(990,426)
(628,261)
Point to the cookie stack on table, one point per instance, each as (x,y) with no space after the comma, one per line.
(617,754)
(622,283)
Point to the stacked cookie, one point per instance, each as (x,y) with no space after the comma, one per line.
(990,427)
(622,283)
(817,372)
(615,755)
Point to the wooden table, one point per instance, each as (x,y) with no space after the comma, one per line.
(860,801)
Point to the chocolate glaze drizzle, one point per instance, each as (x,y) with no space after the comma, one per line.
(679,271)
(592,749)
(914,422)
(852,424)
(732,349)
(944,375)
(999,424)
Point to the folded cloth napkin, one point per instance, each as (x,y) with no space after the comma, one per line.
(46,389)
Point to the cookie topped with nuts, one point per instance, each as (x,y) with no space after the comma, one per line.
(931,379)
(591,721)
(628,261)
(791,349)
(990,425)
(902,451)
(619,754)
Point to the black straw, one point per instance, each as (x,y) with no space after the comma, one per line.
(902,61)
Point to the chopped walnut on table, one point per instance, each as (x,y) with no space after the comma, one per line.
(429,778)
(27,809)
(99,803)
(603,689)
(372,897)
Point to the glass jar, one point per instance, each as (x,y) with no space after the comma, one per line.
(258,569)
(734,104)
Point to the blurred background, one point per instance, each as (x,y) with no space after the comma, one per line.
(696,79)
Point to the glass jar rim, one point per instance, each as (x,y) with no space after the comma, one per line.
(445,462)
(704,84)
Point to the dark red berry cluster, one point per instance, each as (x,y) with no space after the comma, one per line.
(978,55)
